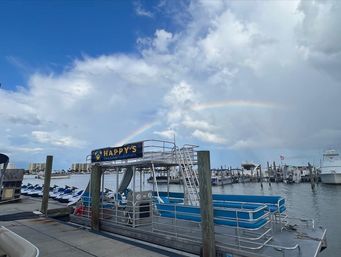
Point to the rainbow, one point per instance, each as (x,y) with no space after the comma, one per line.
(136,132)
(198,107)
(233,103)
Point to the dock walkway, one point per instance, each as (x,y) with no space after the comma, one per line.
(56,238)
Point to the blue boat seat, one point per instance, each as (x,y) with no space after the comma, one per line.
(252,218)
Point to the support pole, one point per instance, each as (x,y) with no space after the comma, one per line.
(168,181)
(47,180)
(261,176)
(95,196)
(206,206)
(312,179)
(270,174)
(134,197)
(275,170)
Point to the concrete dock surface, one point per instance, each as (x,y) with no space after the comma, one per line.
(59,239)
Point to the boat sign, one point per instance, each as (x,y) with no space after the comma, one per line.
(128,151)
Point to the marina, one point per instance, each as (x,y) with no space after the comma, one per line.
(133,207)
(156,219)
(170,128)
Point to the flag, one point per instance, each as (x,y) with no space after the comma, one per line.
(282,157)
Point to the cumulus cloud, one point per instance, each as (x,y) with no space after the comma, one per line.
(319,34)
(239,76)
(208,137)
(168,133)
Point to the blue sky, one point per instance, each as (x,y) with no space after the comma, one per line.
(247,81)
(48,35)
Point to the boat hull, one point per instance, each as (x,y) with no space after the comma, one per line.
(331,178)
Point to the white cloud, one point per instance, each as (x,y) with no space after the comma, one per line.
(197,124)
(162,40)
(50,138)
(169,133)
(208,137)
(319,34)
(140,11)
(237,75)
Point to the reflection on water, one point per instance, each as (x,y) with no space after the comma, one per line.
(321,204)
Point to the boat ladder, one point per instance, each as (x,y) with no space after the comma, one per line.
(189,176)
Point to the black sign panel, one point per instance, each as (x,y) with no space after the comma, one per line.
(3,158)
(128,151)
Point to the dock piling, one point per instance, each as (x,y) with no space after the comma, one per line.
(270,174)
(96,172)
(261,176)
(312,176)
(206,206)
(47,181)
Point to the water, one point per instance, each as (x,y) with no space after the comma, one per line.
(322,204)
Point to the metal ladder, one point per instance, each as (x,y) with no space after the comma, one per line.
(189,176)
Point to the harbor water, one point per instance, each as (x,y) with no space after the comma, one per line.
(321,204)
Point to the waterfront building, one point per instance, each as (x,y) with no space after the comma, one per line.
(36,167)
(80,167)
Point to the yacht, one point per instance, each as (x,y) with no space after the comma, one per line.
(331,167)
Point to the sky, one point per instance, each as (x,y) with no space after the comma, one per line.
(246,80)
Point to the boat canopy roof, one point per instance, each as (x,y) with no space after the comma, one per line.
(330,153)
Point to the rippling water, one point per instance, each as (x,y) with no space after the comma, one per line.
(323,204)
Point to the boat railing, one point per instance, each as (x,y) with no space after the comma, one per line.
(156,151)
(127,213)
(243,227)
(246,228)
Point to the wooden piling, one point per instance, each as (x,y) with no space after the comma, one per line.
(206,206)
(269,174)
(275,170)
(261,176)
(47,181)
(96,172)
(311,175)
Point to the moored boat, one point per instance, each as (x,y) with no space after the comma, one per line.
(221,180)
(331,167)
(56,176)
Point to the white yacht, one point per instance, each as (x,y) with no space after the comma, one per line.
(331,167)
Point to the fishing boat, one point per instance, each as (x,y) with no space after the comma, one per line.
(331,167)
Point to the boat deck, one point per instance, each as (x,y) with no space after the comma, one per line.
(186,236)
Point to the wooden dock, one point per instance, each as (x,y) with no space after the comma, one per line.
(56,238)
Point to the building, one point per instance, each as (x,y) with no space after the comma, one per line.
(36,167)
(80,167)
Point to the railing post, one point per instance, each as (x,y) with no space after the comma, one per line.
(134,200)
(95,196)
(47,180)
(206,206)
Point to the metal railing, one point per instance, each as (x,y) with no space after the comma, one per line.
(243,228)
